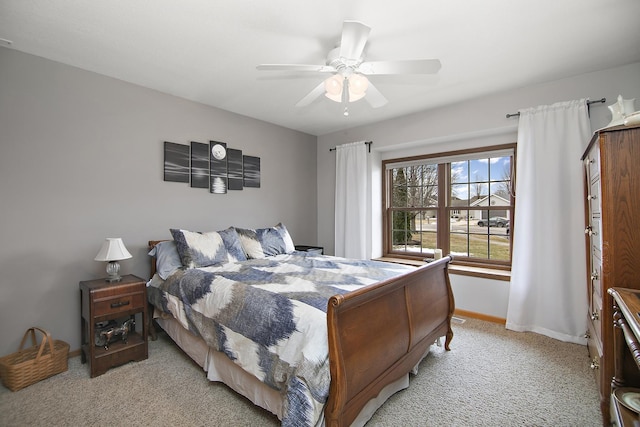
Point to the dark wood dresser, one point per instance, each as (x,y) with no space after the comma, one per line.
(612,213)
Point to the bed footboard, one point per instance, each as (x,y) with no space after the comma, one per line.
(379,333)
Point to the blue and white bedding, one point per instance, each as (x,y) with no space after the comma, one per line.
(269,317)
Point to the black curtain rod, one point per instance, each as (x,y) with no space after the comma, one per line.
(601,100)
(366,142)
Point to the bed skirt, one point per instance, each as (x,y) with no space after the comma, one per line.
(220,368)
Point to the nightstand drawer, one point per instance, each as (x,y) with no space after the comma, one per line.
(118,304)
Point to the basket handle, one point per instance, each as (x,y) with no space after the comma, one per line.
(46,337)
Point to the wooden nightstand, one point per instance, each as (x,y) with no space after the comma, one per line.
(102,301)
(313,249)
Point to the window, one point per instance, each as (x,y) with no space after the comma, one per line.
(461,202)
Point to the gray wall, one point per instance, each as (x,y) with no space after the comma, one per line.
(475,123)
(81,159)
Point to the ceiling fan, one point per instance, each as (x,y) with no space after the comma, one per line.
(348,69)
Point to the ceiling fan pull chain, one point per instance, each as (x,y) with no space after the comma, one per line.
(345,96)
(345,91)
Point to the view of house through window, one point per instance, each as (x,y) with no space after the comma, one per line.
(460,202)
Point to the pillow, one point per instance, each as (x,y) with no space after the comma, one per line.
(288,241)
(264,242)
(167,258)
(232,243)
(200,249)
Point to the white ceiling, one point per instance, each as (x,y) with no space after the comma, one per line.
(207,50)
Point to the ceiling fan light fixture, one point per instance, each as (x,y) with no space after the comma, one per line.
(355,97)
(333,85)
(358,84)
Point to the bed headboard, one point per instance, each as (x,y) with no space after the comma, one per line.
(152,244)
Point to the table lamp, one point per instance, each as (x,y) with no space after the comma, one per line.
(112,251)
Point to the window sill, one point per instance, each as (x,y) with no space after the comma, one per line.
(463,270)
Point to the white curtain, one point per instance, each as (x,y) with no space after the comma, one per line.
(548,294)
(351,201)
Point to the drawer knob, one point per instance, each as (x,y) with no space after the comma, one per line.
(590,231)
(592,197)
(594,315)
(587,335)
(594,364)
(594,276)
(119,304)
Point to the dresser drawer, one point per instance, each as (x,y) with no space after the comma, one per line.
(596,233)
(596,273)
(114,305)
(595,354)
(593,161)
(595,315)
(594,196)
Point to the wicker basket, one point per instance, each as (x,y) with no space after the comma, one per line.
(30,365)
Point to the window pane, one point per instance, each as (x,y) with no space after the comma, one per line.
(414,231)
(459,195)
(479,192)
(399,185)
(481,219)
(430,196)
(415,186)
(414,196)
(479,170)
(478,246)
(499,194)
(427,224)
(459,244)
(499,248)
(500,168)
(460,172)
(400,234)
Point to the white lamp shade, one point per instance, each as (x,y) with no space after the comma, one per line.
(112,250)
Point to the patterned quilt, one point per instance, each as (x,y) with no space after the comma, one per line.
(269,317)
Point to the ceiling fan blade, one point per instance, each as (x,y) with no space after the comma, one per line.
(311,96)
(374,97)
(297,67)
(417,66)
(354,37)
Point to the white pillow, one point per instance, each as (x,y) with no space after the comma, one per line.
(167,258)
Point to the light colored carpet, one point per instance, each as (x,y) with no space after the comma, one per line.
(492,377)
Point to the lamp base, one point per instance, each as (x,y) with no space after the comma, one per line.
(113,270)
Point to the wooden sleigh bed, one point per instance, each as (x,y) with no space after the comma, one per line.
(376,336)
